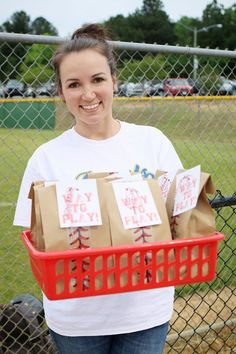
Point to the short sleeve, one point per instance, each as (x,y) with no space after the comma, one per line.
(168,158)
(23,206)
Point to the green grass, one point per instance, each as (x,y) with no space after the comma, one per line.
(203,132)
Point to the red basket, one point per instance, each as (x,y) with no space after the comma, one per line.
(109,270)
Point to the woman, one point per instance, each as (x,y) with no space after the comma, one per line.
(128,323)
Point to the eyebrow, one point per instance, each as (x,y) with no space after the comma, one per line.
(76,79)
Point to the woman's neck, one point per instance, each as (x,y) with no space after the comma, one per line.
(98,133)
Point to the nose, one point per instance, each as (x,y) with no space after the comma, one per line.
(88,94)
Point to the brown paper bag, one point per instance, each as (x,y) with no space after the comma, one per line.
(154,233)
(36,222)
(197,222)
(61,239)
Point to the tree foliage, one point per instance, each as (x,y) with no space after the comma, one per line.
(149,68)
(183,34)
(151,7)
(18,23)
(41,26)
(150,24)
(36,68)
(229,26)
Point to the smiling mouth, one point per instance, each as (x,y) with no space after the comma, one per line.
(90,107)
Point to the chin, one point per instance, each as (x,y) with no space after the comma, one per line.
(94,119)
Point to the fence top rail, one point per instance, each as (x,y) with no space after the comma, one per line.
(154,48)
(220,201)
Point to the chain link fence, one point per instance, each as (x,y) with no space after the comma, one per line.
(199,116)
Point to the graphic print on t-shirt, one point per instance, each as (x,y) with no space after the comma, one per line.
(136,170)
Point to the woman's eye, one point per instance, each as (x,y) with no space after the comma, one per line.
(98,79)
(73,85)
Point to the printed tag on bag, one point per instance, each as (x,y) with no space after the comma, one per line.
(78,203)
(187,190)
(136,205)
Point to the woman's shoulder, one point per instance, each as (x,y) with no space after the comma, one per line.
(143,130)
(57,140)
(55,144)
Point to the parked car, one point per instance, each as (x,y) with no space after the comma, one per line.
(30,92)
(1,90)
(131,89)
(154,88)
(226,87)
(46,90)
(14,88)
(177,87)
(197,87)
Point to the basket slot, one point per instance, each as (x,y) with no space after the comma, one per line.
(206,251)
(159,265)
(122,271)
(172,273)
(138,268)
(150,275)
(144,275)
(194,253)
(127,277)
(205,269)
(109,266)
(183,254)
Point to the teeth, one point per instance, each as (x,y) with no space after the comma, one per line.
(91,106)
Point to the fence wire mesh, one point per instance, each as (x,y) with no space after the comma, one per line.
(199,116)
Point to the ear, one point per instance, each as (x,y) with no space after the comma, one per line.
(61,94)
(114,80)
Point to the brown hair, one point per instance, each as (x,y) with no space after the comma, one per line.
(91,36)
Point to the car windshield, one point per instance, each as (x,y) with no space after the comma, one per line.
(180,82)
(156,83)
(14,83)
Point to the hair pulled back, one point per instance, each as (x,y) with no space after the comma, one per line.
(93,30)
(92,36)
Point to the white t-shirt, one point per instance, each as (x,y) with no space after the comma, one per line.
(136,148)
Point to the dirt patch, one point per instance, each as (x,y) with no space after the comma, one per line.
(213,342)
(201,311)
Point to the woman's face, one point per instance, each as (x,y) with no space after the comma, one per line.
(87,87)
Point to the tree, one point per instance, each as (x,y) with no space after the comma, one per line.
(151,7)
(18,23)
(151,67)
(229,25)
(214,37)
(153,22)
(213,12)
(150,24)
(41,26)
(184,36)
(118,28)
(152,29)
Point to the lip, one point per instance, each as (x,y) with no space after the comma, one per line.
(90,107)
